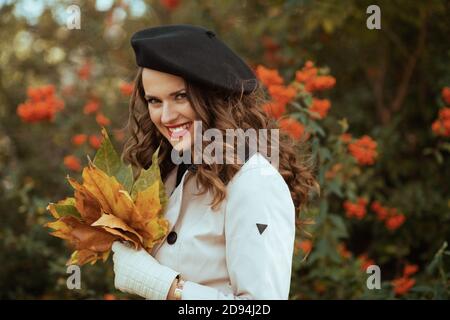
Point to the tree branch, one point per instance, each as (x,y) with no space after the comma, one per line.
(410,65)
(377,82)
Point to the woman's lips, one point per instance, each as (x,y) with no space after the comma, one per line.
(179,131)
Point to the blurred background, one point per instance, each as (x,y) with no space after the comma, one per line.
(378,122)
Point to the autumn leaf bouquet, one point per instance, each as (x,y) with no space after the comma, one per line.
(108,206)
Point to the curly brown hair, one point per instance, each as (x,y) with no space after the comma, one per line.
(220,110)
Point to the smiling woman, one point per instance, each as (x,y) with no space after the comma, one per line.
(169,107)
(232,226)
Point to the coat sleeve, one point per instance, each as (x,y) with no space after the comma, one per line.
(260,235)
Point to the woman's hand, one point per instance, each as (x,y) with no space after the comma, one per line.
(137,272)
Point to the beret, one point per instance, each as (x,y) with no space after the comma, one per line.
(194,53)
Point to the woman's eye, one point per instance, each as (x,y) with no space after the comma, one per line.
(152,101)
(181,96)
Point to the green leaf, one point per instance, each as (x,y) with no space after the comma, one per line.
(109,161)
(340,229)
(323,248)
(324,153)
(106,157)
(315,146)
(308,100)
(125,176)
(297,106)
(67,207)
(301,116)
(148,177)
(437,259)
(321,176)
(335,188)
(323,210)
(344,124)
(317,128)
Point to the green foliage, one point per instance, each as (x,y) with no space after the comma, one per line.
(107,159)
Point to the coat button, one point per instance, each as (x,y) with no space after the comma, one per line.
(172,237)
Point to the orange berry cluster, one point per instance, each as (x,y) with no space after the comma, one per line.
(355,209)
(441,126)
(320,108)
(404,283)
(365,261)
(364,150)
(305,246)
(312,81)
(391,217)
(126,89)
(282,94)
(41,105)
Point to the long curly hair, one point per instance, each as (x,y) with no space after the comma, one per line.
(220,110)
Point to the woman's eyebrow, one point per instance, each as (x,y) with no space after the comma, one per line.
(147,96)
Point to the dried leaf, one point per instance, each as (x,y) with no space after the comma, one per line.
(156,229)
(106,190)
(85,202)
(127,236)
(82,237)
(148,204)
(81,257)
(110,221)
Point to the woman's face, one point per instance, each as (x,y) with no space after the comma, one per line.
(169,107)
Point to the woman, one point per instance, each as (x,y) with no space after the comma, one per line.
(232,224)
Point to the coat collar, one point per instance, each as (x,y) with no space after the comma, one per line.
(182,169)
(175,182)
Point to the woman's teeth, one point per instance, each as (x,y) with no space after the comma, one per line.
(175,132)
(180,128)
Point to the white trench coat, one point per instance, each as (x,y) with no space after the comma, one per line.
(242,251)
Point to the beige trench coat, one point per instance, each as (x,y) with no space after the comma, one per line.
(242,251)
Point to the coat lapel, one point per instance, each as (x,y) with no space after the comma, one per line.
(174,204)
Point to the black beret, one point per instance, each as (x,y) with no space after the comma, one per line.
(194,53)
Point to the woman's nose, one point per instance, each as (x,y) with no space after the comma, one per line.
(168,113)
